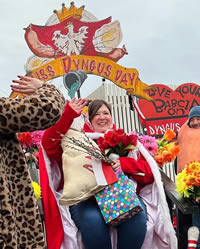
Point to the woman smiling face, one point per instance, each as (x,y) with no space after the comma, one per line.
(102,120)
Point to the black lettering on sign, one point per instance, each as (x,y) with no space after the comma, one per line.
(162,92)
(188,89)
(173,106)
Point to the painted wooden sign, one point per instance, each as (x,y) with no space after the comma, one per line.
(74,39)
(169,108)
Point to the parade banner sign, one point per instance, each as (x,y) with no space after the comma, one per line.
(169,108)
(74,39)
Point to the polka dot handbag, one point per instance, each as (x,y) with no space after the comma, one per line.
(118,201)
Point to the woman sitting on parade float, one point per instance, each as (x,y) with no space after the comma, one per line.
(67,227)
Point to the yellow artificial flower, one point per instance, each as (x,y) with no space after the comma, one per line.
(37,190)
(188,181)
(181,186)
(85,110)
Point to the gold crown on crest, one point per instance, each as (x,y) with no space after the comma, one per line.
(71,12)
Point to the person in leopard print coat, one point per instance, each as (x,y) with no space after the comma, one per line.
(20,224)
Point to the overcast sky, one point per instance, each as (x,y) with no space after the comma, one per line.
(162,38)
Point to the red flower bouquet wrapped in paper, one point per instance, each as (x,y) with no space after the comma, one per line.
(31,142)
(118,142)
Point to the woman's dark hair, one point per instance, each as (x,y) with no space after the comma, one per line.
(94,107)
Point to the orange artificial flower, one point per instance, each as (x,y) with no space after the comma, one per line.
(166,155)
(159,160)
(169,135)
(191,180)
(175,150)
(167,149)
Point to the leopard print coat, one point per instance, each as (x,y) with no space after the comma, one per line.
(20,224)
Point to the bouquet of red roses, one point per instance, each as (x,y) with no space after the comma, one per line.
(118,142)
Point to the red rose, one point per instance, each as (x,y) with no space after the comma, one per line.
(133,139)
(120,132)
(25,139)
(103,144)
(111,138)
